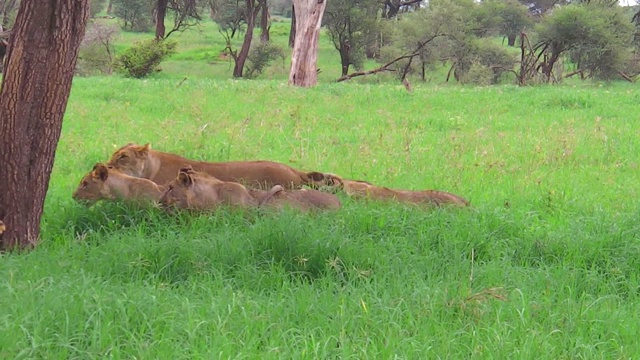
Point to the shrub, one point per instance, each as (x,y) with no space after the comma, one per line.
(143,57)
(477,74)
(260,56)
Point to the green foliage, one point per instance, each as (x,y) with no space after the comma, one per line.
(352,27)
(597,38)
(135,14)
(483,62)
(503,17)
(230,16)
(144,57)
(545,265)
(8,12)
(96,6)
(260,56)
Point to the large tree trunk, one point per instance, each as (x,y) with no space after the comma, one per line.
(305,48)
(42,54)
(345,59)
(161,13)
(264,21)
(292,32)
(251,14)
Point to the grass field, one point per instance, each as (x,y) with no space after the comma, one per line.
(546,263)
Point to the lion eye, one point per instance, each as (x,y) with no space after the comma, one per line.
(122,156)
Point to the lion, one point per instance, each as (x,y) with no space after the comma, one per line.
(364,189)
(107,183)
(194,190)
(161,168)
(302,199)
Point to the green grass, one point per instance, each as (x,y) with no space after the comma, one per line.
(544,265)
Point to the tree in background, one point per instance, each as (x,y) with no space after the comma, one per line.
(135,14)
(40,62)
(391,8)
(8,10)
(350,23)
(185,15)
(596,37)
(304,57)
(96,6)
(503,17)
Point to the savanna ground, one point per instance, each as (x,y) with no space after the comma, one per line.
(544,265)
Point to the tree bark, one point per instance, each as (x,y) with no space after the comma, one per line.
(40,62)
(292,31)
(161,13)
(304,57)
(251,14)
(511,40)
(264,21)
(345,59)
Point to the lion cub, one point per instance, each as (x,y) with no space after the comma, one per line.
(107,183)
(303,199)
(195,190)
(200,191)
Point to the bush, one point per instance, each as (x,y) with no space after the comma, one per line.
(143,57)
(477,74)
(96,50)
(260,56)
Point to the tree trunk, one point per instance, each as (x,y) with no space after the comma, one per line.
(511,40)
(161,13)
(110,7)
(264,21)
(344,58)
(292,32)
(305,48)
(40,63)
(252,13)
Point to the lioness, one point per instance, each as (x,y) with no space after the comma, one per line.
(363,189)
(161,168)
(303,199)
(105,183)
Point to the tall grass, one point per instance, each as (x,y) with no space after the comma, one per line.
(544,265)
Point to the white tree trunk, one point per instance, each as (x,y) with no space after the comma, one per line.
(304,57)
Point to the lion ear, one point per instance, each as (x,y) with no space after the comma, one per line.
(185,179)
(101,172)
(144,149)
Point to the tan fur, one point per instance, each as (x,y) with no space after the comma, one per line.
(199,191)
(2,227)
(363,189)
(161,168)
(304,199)
(105,183)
